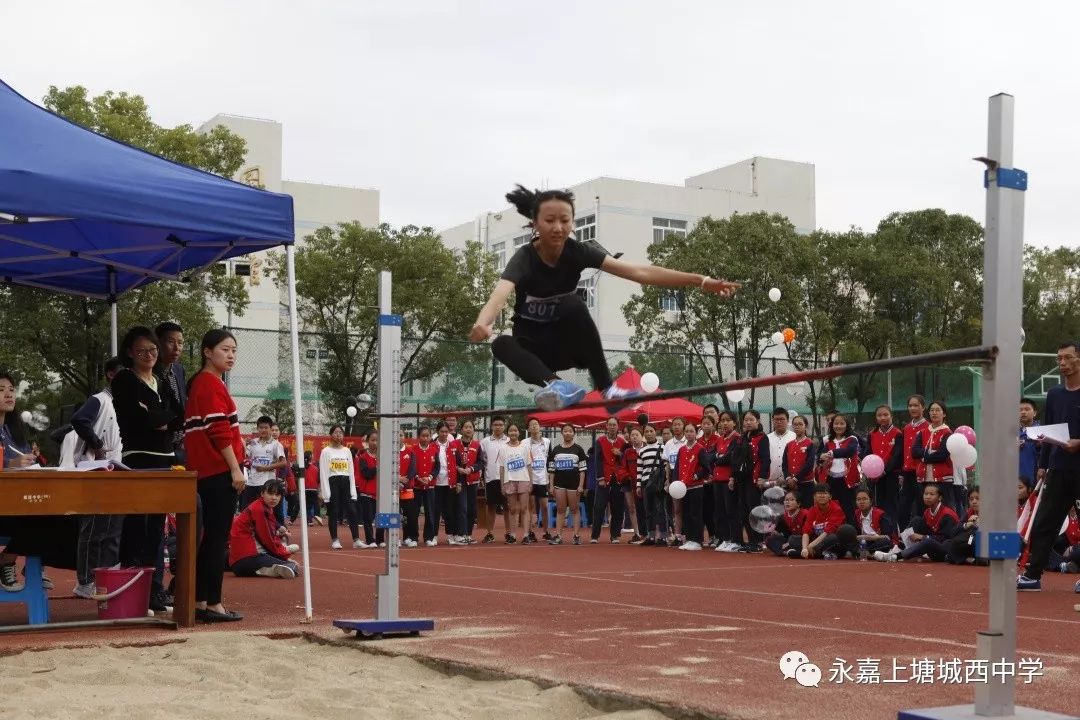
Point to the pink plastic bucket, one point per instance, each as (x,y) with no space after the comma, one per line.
(123,593)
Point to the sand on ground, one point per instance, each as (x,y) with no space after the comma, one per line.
(234,676)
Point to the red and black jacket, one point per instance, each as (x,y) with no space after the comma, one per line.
(910,464)
(791,523)
(888,445)
(427,464)
(939,522)
(725,450)
(611,469)
(689,468)
(826,521)
(468,460)
(407,466)
(798,461)
(628,461)
(931,451)
(366,470)
(880,523)
(846,449)
(255,526)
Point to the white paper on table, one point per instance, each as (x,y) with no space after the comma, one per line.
(1054,434)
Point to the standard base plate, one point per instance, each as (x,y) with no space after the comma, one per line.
(967,712)
(376,629)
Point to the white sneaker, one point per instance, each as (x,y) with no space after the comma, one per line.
(276,571)
(453,540)
(294,548)
(690,545)
(382,545)
(336,545)
(85,591)
(411,543)
(359,545)
(431,543)
(884,556)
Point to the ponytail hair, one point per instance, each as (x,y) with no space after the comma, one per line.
(528,202)
(210,340)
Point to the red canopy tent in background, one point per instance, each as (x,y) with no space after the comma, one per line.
(660,412)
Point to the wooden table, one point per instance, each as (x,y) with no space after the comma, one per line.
(48,492)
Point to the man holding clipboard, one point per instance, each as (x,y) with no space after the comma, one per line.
(1059,465)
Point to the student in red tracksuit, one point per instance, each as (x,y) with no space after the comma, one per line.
(444,489)
(825,534)
(256,544)
(311,490)
(367,487)
(426,454)
(962,545)
(409,502)
(751,474)
(469,459)
(933,530)
(798,463)
(935,464)
(628,482)
(910,488)
(838,464)
(887,442)
(726,448)
(609,450)
(216,453)
(876,530)
(691,468)
(789,526)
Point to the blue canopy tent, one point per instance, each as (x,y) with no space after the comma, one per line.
(82,214)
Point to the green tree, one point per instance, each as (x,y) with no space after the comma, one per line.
(48,335)
(1051,297)
(277,404)
(437,291)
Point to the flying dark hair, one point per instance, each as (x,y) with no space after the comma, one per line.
(16,427)
(528,202)
(135,333)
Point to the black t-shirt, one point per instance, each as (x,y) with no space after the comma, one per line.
(539,286)
(567,464)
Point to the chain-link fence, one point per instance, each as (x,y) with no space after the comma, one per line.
(262,382)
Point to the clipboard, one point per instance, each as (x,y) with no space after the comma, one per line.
(1052,434)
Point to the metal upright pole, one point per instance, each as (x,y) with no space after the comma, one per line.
(113,328)
(1002,303)
(387,503)
(298,422)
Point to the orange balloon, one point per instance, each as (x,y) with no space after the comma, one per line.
(789,335)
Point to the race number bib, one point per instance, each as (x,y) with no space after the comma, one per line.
(538,465)
(261,461)
(673,458)
(566,463)
(339,466)
(515,464)
(540,309)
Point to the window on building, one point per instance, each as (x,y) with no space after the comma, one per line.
(311,354)
(585,228)
(586,289)
(425,386)
(242,269)
(499,251)
(500,374)
(671,300)
(663,227)
(521,240)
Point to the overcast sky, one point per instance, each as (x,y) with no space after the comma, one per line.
(442,105)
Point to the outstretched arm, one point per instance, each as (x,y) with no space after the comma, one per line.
(483,328)
(663,277)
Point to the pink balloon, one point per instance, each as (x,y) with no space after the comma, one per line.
(968,433)
(873,467)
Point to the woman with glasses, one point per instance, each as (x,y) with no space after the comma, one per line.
(143,415)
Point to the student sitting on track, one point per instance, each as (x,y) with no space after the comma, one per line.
(788,526)
(255,542)
(875,528)
(1065,553)
(932,531)
(962,545)
(825,535)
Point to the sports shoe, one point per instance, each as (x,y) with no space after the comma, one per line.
(1076,588)
(577,539)
(470,540)
(509,539)
(793,553)
(410,543)
(648,542)
(714,543)
(277,571)
(454,540)
(86,591)
(593,541)
(294,548)
(318,520)
(1068,567)
(382,545)
(547,536)
(614,541)
(359,545)
(1023,582)
(529,539)
(828,555)
(336,545)
(615,392)
(690,545)
(556,540)
(46,583)
(558,394)
(431,543)
(733,547)
(488,539)
(884,556)
(636,540)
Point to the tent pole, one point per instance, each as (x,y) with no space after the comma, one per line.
(294,340)
(113,345)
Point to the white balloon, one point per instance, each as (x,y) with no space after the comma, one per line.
(677,490)
(774,294)
(350,411)
(27,416)
(956,443)
(966,457)
(735,395)
(778,338)
(650,382)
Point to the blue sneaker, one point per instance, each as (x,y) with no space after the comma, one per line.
(1077,587)
(1023,582)
(558,394)
(614,391)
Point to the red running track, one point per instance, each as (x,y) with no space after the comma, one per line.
(702,631)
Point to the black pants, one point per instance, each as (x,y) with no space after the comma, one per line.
(831,543)
(603,495)
(730,528)
(656,518)
(933,548)
(248,566)
(429,501)
(910,501)
(1060,491)
(218,500)
(961,546)
(341,506)
(294,506)
(708,509)
(779,544)
(366,507)
(845,496)
(445,510)
(468,496)
(887,494)
(410,509)
(749,498)
(805,492)
(142,537)
(250,494)
(536,351)
(99,544)
(692,507)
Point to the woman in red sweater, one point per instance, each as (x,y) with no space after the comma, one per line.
(215,452)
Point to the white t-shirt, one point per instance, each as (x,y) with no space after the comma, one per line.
(516,459)
(538,467)
(260,454)
(444,458)
(490,446)
(671,451)
(777,443)
(333,462)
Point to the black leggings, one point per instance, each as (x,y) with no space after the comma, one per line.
(535,352)
(218,500)
(341,506)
